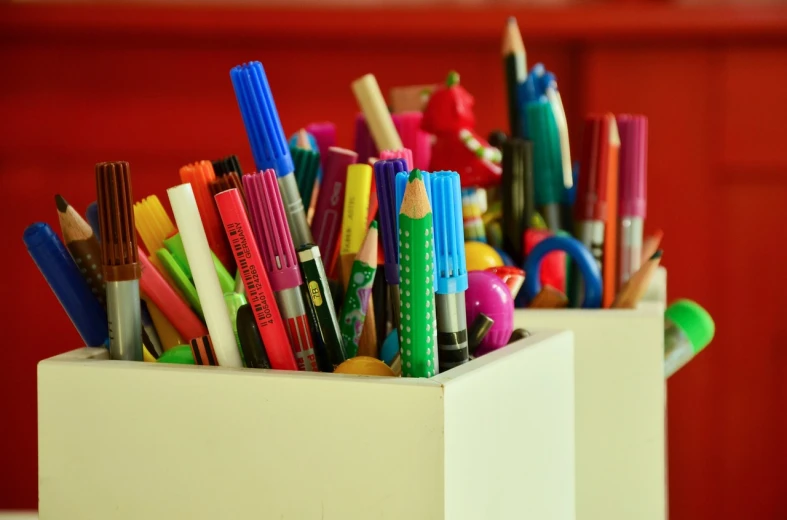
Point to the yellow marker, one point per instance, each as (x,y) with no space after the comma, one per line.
(356,207)
(154,226)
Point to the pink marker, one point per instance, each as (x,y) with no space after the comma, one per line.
(327,222)
(402,153)
(269,222)
(633,130)
(408,125)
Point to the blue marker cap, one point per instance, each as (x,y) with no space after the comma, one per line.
(449,233)
(401,184)
(263,127)
(92,218)
(385,179)
(63,276)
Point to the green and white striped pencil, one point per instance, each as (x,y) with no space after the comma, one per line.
(359,291)
(418,330)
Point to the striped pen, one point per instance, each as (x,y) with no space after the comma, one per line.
(418,328)
(449,257)
(281,265)
(268,144)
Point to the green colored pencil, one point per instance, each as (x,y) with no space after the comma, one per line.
(359,290)
(418,329)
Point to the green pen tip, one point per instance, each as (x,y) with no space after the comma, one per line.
(373,225)
(415,174)
(452,79)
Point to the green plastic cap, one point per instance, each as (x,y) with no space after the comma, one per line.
(180,355)
(695,322)
(452,79)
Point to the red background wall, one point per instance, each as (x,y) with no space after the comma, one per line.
(151,86)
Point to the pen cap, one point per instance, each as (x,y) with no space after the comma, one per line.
(547,162)
(116,220)
(263,127)
(385,176)
(403,153)
(633,130)
(694,321)
(591,201)
(269,222)
(63,276)
(227,165)
(449,236)
(306,164)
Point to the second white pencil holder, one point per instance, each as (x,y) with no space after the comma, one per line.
(492,439)
(620,406)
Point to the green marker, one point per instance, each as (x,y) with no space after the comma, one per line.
(359,291)
(174,245)
(179,355)
(182,281)
(418,327)
(547,161)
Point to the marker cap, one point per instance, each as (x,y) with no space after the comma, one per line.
(547,161)
(633,131)
(263,127)
(694,321)
(385,178)
(449,235)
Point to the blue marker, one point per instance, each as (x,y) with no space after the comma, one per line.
(70,288)
(449,252)
(268,144)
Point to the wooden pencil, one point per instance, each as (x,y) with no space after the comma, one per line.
(549,298)
(609,273)
(515,64)
(651,244)
(633,290)
(84,247)
(359,290)
(418,328)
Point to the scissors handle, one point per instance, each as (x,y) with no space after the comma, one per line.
(581,257)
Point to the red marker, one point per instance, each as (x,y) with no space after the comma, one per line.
(260,295)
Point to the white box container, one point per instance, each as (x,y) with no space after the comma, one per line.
(620,406)
(493,439)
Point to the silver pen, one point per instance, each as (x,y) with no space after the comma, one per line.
(119,253)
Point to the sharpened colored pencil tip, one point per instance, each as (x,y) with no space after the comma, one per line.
(657,254)
(415,174)
(373,224)
(61,203)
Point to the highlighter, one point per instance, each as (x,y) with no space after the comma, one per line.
(62,274)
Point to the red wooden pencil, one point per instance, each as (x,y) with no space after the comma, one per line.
(258,288)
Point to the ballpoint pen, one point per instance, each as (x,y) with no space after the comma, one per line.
(385,175)
(120,259)
(330,204)
(632,190)
(449,256)
(281,265)
(547,162)
(271,325)
(206,281)
(268,144)
(63,276)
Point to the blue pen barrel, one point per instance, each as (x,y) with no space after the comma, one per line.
(63,276)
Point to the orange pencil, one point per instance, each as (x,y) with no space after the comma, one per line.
(610,269)
(651,244)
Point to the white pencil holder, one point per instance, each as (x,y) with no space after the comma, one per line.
(620,405)
(492,439)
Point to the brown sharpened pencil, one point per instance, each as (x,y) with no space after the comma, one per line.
(650,245)
(633,291)
(83,246)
